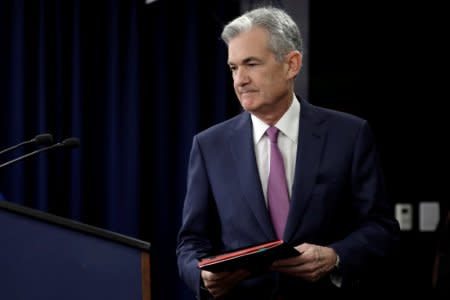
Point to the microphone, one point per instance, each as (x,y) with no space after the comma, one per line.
(40,139)
(69,143)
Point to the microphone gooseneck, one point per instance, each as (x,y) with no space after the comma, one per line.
(68,143)
(40,139)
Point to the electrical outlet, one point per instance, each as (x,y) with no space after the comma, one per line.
(404,215)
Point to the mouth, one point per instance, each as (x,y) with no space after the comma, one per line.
(245,92)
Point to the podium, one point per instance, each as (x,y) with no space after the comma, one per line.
(43,256)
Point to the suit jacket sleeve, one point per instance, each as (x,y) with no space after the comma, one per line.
(194,237)
(376,230)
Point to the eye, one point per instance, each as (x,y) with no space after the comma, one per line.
(252,64)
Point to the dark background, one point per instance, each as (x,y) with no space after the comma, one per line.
(383,61)
(135,82)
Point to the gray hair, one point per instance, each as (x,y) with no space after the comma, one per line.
(284,35)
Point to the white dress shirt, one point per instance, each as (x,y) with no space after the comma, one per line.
(288,126)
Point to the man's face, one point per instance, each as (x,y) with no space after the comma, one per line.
(260,81)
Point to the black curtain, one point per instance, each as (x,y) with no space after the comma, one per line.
(134,82)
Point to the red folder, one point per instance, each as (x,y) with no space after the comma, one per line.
(253,258)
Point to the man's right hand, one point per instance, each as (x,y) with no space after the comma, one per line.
(219,283)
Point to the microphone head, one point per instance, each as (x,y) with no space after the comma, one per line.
(71,142)
(43,139)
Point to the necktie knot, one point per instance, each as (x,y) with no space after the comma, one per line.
(272,132)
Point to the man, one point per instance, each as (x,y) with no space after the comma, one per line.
(338,215)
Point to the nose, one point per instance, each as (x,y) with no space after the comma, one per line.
(240,77)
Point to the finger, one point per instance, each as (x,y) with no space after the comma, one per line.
(304,247)
(214,276)
(235,277)
(222,278)
(221,287)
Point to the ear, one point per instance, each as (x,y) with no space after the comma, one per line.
(294,63)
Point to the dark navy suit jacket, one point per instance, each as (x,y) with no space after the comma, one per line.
(338,198)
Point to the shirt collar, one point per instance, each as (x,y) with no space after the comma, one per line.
(288,124)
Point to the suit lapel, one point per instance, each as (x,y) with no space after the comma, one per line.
(242,148)
(311,139)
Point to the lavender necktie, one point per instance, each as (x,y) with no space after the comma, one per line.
(277,188)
